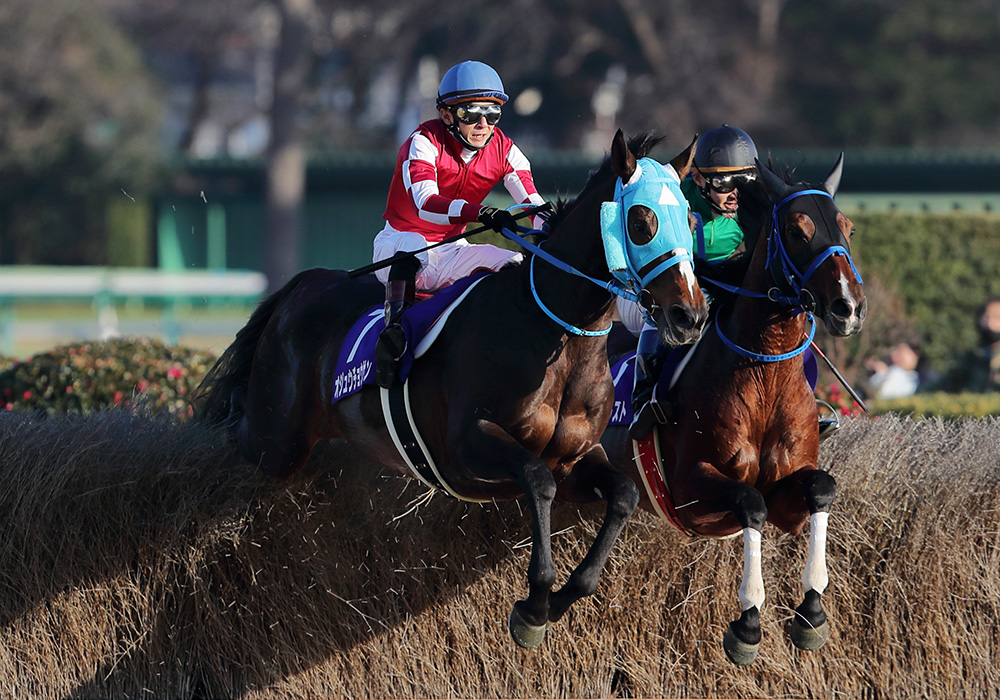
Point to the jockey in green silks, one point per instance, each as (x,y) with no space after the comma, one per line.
(724,158)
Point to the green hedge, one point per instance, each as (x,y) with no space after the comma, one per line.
(89,376)
(942,266)
(966,404)
(146,373)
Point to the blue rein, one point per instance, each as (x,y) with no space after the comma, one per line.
(565,267)
(768,358)
(653,186)
(548,312)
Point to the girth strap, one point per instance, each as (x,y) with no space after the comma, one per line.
(649,462)
(403,430)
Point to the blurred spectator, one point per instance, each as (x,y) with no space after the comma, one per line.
(979,369)
(899,377)
(986,372)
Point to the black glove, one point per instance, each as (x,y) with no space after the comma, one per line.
(497,219)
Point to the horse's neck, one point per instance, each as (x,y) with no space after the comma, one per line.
(574,299)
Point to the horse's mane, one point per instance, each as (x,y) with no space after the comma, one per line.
(640,145)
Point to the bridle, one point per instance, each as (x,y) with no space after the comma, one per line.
(786,272)
(632,266)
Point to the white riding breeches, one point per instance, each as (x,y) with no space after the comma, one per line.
(630,313)
(439,266)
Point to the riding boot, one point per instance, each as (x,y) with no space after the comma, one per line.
(646,410)
(391,344)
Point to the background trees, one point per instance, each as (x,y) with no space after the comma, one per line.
(96,98)
(79,128)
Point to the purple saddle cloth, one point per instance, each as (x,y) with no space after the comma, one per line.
(356,361)
(623,375)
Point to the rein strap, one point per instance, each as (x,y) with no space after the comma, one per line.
(743,352)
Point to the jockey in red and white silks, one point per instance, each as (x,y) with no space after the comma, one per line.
(443,172)
(437,188)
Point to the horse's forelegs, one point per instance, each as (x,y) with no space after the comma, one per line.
(594,477)
(497,455)
(809,628)
(742,639)
(711,497)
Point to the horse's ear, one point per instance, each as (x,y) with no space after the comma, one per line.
(622,160)
(832,181)
(682,161)
(775,187)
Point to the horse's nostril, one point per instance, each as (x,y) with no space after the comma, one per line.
(681,317)
(841,308)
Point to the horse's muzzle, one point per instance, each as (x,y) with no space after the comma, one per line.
(682,324)
(845,316)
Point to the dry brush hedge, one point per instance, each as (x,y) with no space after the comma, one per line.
(140,558)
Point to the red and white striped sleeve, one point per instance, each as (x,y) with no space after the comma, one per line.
(520,183)
(420,179)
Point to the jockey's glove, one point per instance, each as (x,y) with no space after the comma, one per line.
(497,219)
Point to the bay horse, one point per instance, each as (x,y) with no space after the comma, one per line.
(510,400)
(741,442)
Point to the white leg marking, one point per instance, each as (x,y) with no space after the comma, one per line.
(751,590)
(814,577)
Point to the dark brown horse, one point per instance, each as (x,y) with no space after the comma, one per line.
(508,400)
(740,448)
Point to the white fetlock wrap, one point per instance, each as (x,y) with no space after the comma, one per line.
(815,577)
(751,590)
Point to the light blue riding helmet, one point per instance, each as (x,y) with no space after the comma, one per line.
(470,81)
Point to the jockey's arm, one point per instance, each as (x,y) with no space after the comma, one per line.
(431,205)
(520,184)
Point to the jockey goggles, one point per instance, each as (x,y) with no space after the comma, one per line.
(724,183)
(472,113)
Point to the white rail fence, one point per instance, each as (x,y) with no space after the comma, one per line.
(106,290)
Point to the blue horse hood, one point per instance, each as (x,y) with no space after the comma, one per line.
(657,187)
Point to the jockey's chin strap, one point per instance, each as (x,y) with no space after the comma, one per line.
(787,276)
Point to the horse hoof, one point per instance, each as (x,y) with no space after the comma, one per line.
(525,635)
(738,651)
(808,638)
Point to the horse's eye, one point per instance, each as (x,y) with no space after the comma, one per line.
(642,224)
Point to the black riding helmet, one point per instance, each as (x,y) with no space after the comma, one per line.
(725,156)
(725,149)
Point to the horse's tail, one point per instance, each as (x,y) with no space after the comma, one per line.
(213,400)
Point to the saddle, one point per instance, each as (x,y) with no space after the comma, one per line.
(422,323)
